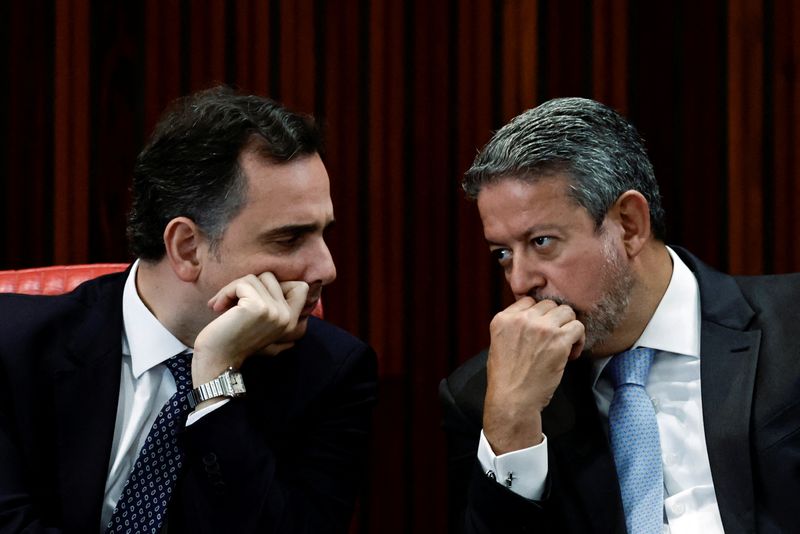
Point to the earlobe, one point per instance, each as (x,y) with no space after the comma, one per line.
(633,213)
(182,238)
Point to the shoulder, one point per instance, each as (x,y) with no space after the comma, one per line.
(40,335)
(735,300)
(782,289)
(42,317)
(775,299)
(470,374)
(323,333)
(465,388)
(324,367)
(327,346)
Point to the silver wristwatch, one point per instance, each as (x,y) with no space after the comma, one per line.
(228,384)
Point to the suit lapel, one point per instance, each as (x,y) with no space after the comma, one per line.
(581,452)
(727,376)
(86,395)
(729,355)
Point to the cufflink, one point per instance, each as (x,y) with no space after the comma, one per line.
(509,479)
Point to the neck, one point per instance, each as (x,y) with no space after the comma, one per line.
(652,271)
(165,295)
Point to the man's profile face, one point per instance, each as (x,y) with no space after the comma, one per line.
(279,229)
(549,248)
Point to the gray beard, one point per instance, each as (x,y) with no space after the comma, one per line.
(604,317)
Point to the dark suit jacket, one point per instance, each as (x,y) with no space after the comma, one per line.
(750,376)
(287,457)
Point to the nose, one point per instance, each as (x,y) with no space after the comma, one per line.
(321,268)
(524,278)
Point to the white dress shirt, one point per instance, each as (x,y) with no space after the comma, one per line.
(146,384)
(690,504)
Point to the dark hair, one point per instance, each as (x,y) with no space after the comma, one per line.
(592,144)
(190,167)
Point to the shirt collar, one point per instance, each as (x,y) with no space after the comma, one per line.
(675,325)
(149,342)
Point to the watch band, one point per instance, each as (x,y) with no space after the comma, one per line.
(228,384)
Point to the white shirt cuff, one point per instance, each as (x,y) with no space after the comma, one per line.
(197,415)
(524,471)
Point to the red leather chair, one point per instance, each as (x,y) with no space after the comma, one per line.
(65,278)
(54,280)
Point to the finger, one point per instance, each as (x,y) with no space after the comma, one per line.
(229,295)
(295,293)
(272,286)
(560,314)
(576,333)
(522,304)
(545,305)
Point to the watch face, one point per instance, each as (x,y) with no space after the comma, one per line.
(236,382)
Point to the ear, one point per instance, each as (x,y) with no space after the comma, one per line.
(632,213)
(182,239)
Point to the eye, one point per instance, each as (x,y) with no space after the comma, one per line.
(501,255)
(542,241)
(289,242)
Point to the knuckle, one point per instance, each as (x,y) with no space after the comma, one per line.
(262,311)
(498,321)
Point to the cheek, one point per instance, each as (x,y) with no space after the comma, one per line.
(284,268)
(579,283)
(284,271)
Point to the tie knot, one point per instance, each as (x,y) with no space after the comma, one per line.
(631,367)
(181,368)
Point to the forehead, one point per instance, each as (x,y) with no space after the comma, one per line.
(510,206)
(293,192)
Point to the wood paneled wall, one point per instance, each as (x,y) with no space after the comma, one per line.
(407,91)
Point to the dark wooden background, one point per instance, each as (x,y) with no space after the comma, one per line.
(407,90)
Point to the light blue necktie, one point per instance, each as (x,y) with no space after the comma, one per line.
(142,506)
(634,442)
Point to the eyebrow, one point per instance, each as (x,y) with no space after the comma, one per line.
(294,230)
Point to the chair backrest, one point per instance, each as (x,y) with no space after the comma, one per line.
(64,278)
(54,280)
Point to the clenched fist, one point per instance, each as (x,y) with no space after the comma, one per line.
(531,343)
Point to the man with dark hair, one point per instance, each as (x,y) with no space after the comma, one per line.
(629,387)
(194,392)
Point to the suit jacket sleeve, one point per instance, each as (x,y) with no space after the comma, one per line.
(286,458)
(477,504)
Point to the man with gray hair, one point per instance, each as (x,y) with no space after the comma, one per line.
(630,387)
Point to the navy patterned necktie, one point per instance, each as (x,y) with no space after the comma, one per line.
(635,442)
(142,506)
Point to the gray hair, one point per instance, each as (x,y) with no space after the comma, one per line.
(600,151)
